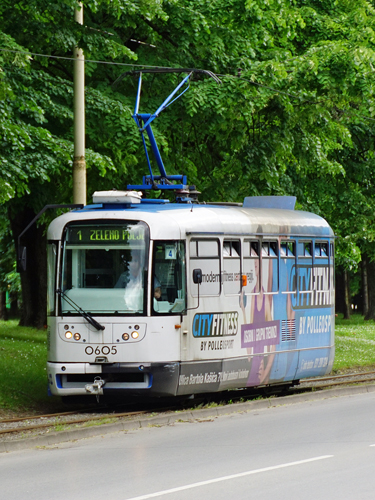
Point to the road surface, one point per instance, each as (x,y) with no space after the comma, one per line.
(322,449)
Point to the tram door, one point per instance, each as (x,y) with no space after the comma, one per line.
(204,255)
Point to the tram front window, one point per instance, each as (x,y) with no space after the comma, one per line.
(104,268)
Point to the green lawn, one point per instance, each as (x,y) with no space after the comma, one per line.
(23,380)
(355,343)
(23,353)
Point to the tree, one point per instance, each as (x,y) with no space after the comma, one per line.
(296,88)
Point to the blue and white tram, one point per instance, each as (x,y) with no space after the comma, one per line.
(155,298)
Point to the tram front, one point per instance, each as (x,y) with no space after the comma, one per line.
(113,298)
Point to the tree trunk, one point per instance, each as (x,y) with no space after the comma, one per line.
(347,309)
(34,279)
(3,309)
(365,292)
(339,291)
(13,310)
(371,290)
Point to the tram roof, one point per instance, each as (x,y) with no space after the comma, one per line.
(175,220)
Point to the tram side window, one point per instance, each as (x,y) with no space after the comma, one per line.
(204,255)
(251,266)
(321,273)
(306,249)
(169,277)
(270,272)
(288,266)
(332,273)
(232,267)
(305,269)
(321,249)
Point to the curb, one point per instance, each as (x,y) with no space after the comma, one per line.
(183,416)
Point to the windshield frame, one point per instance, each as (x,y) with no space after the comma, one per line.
(103,241)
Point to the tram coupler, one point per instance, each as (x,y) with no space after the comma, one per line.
(96,387)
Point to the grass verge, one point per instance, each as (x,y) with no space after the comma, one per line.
(23,354)
(355,343)
(23,379)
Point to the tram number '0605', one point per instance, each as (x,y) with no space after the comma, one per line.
(105,350)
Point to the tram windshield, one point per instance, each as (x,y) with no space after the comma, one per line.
(104,268)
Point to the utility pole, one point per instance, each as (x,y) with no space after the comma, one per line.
(79,162)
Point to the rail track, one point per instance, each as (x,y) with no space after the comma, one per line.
(349,378)
(55,420)
(13,428)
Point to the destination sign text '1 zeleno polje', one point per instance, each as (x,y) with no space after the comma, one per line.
(108,234)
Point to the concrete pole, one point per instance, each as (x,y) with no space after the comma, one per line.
(79,162)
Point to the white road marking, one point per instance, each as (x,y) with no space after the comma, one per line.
(227,478)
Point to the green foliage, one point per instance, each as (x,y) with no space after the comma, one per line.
(294,113)
(9,278)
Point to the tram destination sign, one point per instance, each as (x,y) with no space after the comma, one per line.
(113,234)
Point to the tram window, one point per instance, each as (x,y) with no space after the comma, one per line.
(169,277)
(104,267)
(99,272)
(231,249)
(204,254)
(270,272)
(305,271)
(332,274)
(321,249)
(287,248)
(321,273)
(288,266)
(51,273)
(306,249)
(232,267)
(251,266)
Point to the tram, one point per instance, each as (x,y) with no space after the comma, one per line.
(155,298)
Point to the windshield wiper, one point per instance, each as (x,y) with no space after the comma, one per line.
(83,313)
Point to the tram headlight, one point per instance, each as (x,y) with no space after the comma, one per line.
(135,335)
(125,336)
(68,334)
(77,336)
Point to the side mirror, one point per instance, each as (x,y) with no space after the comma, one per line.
(21,264)
(197,276)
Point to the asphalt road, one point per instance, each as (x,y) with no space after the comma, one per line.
(323,449)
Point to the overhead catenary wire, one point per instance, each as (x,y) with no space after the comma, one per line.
(66,58)
(167,69)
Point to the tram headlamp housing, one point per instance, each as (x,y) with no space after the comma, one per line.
(135,335)
(125,336)
(77,336)
(68,334)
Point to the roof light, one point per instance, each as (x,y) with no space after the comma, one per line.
(115,196)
